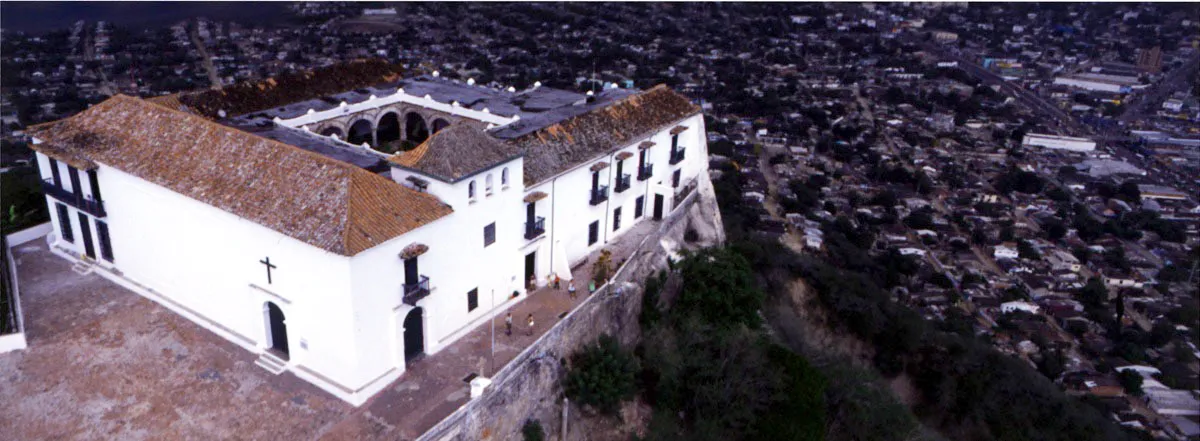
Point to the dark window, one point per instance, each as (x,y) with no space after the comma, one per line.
(54,173)
(637,209)
(95,184)
(76,187)
(64,223)
(489,234)
(472,299)
(675,179)
(617,219)
(105,245)
(674,142)
(593,232)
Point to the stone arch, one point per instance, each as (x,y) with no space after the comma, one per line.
(415,129)
(414,334)
(361,131)
(333,130)
(439,124)
(387,128)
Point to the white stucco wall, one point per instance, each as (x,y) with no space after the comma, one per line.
(457,262)
(208,261)
(570,191)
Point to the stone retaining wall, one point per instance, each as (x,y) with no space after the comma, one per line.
(531,385)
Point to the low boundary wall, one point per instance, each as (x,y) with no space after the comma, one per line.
(531,384)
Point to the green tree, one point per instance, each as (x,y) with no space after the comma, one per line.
(719,284)
(1131,381)
(1026,251)
(602,375)
(1129,192)
(532,431)
(1094,294)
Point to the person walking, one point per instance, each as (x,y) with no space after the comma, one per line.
(571,288)
(508,324)
(531,324)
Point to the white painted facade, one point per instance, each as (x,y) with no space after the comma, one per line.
(345,315)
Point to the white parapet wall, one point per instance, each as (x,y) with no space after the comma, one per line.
(12,342)
(16,341)
(313,116)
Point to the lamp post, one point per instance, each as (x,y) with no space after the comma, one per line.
(492,366)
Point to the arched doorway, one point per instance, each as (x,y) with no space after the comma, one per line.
(414,334)
(360,132)
(439,124)
(388,130)
(333,131)
(277,330)
(414,128)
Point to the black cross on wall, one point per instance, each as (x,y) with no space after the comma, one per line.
(267,262)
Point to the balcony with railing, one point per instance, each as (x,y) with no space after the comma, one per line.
(645,172)
(622,183)
(677,156)
(599,194)
(416,291)
(535,228)
(77,200)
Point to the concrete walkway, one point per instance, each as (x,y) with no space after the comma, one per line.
(105,363)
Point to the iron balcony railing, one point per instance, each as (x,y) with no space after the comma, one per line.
(645,172)
(677,156)
(535,228)
(599,194)
(77,200)
(622,183)
(416,291)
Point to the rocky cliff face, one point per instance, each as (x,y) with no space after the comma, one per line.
(531,385)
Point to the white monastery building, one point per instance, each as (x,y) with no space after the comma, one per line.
(338,262)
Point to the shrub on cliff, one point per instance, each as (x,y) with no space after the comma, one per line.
(602,375)
(532,431)
(719,285)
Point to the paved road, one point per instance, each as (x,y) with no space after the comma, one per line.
(1030,99)
(1177,79)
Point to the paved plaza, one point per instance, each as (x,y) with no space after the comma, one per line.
(105,363)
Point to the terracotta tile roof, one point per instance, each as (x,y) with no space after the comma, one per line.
(169,101)
(562,146)
(453,153)
(246,97)
(322,202)
(535,196)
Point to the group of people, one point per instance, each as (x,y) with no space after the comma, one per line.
(508,324)
(508,320)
